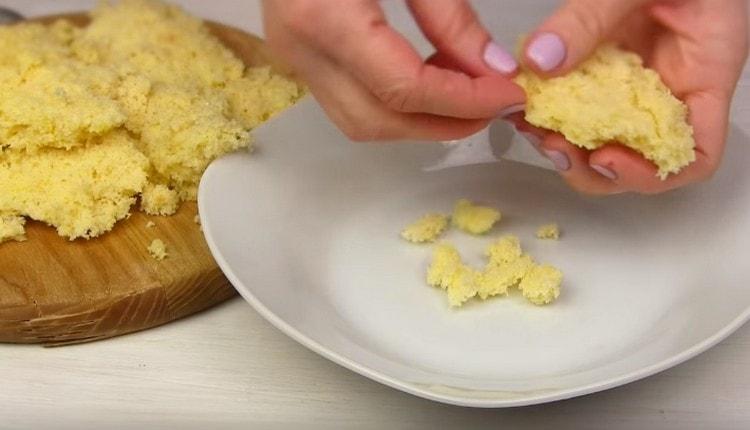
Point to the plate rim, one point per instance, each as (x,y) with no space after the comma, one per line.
(425,393)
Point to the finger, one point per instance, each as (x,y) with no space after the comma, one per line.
(392,70)
(455,30)
(709,114)
(573,32)
(442,61)
(572,163)
(362,117)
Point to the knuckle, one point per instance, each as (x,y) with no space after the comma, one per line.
(586,16)
(400,95)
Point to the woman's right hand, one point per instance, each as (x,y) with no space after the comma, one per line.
(372,82)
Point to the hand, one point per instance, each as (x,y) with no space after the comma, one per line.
(371,81)
(697,46)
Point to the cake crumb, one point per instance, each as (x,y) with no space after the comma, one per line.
(474,219)
(541,285)
(197,219)
(426,229)
(498,278)
(12,228)
(150,224)
(507,267)
(504,250)
(613,97)
(158,199)
(158,250)
(548,231)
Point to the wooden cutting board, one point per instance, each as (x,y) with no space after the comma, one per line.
(57,292)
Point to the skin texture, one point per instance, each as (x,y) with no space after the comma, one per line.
(698,47)
(372,82)
(374,86)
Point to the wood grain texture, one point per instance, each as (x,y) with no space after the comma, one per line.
(55,292)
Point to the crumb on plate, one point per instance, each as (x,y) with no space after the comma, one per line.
(426,229)
(548,231)
(541,285)
(474,219)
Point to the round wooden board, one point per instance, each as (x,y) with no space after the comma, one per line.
(56,292)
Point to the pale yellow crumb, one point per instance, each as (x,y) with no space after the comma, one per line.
(464,286)
(150,224)
(612,97)
(548,231)
(197,219)
(541,285)
(496,279)
(12,228)
(139,102)
(82,192)
(158,199)
(474,219)
(425,229)
(448,272)
(445,263)
(504,250)
(158,250)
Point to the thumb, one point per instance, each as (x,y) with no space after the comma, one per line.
(573,32)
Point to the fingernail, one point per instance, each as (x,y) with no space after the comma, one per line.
(559,159)
(607,173)
(499,59)
(547,51)
(510,110)
(535,141)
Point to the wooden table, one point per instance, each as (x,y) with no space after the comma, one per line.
(228,368)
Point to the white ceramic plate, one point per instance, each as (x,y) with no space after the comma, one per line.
(307,230)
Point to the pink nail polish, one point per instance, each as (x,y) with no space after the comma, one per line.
(499,59)
(547,51)
(607,173)
(559,159)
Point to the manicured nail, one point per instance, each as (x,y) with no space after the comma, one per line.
(510,110)
(499,59)
(559,159)
(533,139)
(547,51)
(607,173)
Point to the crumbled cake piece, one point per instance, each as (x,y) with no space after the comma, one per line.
(507,267)
(173,91)
(12,228)
(197,219)
(612,97)
(158,250)
(82,192)
(158,199)
(150,224)
(445,263)
(504,250)
(541,285)
(499,277)
(548,231)
(425,229)
(474,219)
(464,286)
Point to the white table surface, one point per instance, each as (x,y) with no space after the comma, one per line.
(228,368)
